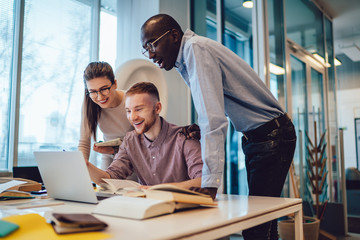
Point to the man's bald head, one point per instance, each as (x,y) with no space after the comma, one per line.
(161,23)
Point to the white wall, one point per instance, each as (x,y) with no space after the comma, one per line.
(348,110)
(348,103)
(131,15)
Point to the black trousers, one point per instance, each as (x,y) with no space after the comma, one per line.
(268,159)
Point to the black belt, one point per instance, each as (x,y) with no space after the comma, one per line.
(266,128)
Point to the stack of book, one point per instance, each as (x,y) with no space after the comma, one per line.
(15,188)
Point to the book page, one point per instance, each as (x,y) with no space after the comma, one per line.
(136,208)
(173,188)
(117,184)
(10,184)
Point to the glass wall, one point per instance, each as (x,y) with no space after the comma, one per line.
(277,50)
(332,110)
(203,22)
(299,117)
(319,43)
(304,25)
(238,30)
(236,33)
(203,18)
(6,46)
(108,33)
(55,47)
(238,37)
(317,100)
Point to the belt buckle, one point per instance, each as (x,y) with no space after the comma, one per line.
(277,123)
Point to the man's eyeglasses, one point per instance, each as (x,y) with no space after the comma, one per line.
(150,46)
(103,91)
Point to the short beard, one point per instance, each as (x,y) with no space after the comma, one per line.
(150,124)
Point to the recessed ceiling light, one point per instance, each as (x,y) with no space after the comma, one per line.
(248,4)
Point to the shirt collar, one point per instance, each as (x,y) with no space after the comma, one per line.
(160,138)
(180,58)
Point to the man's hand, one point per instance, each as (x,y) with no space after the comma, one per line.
(208,191)
(191,132)
(104,150)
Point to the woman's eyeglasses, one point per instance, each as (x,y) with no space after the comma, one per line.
(103,92)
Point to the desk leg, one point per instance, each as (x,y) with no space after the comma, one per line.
(299,233)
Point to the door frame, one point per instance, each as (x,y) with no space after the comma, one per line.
(310,62)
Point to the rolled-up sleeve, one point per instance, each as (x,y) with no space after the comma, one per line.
(192,152)
(207,92)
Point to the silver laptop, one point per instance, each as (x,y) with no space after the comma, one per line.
(66,176)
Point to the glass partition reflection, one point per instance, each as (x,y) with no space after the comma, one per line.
(277,51)
(237,36)
(332,111)
(304,25)
(299,117)
(204,18)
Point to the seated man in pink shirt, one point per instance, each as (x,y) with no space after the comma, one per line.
(156,150)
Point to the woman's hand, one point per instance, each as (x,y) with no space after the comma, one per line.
(104,150)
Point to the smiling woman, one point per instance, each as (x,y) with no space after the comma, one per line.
(103,107)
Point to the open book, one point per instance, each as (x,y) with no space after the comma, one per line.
(166,192)
(154,201)
(111,143)
(121,187)
(170,192)
(137,207)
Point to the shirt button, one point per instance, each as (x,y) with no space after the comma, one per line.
(153,157)
(154,174)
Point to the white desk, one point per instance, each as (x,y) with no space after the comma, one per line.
(233,214)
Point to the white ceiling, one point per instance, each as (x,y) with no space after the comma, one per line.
(346,25)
